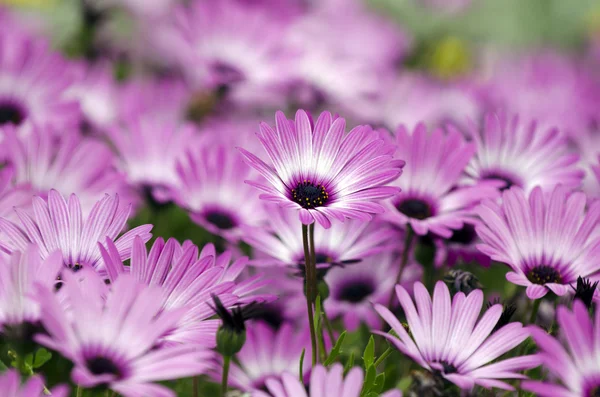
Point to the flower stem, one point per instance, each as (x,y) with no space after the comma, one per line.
(328,325)
(195,386)
(534,311)
(226,362)
(383,356)
(310,290)
(79,392)
(408,238)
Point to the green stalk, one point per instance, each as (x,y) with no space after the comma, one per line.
(310,291)
(408,238)
(226,362)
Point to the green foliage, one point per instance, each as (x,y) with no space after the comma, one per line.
(335,352)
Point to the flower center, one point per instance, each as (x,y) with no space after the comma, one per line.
(355,291)
(415,208)
(270,315)
(227,73)
(309,195)
(221,220)
(11,114)
(448,368)
(594,392)
(102,365)
(544,274)
(508,181)
(465,236)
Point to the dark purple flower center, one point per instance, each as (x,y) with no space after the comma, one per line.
(355,291)
(508,181)
(543,274)
(101,365)
(221,220)
(594,392)
(465,236)
(10,113)
(415,208)
(309,195)
(227,73)
(448,368)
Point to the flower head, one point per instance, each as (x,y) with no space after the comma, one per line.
(572,360)
(188,281)
(342,244)
(548,240)
(323,383)
(323,172)
(210,184)
(84,166)
(446,338)
(430,200)
(59,224)
(10,384)
(518,154)
(98,337)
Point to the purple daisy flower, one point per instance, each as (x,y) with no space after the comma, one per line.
(354,289)
(461,247)
(516,153)
(149,150)
(323,383)
(210,185)
(268,354)
(10,384)
(98,336)
(19,310)
(343,243)
(59,224)
(445,339)
(430,200)
(18,196)
(572,363)
(233,44)
(323,172)
(548,240)
(34,80)
(188,281)
(83,166)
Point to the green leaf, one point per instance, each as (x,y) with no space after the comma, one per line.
(369,380)
(369,353)
(317,314)
(335,352)
(302,365)
(41,357)
(379,382)
(349,363)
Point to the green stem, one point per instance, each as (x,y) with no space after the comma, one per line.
(408,238)
(534,311)
(226,362)
(383,356)
(79,392)
(322,355)
(20,362)
(195,387)
(310,290)
(328,325)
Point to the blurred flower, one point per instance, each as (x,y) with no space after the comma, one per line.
(446,340)
(188,281)
(461,247)
(149,150)
(548,88)
(34,80)
(516,153)
(587,146)
(11,196)
(548,240)
(267,354)
(414,98)
(210,184)
(323,383)
(344,243)
(354,289)
(98,338)
(572,360)
(19,310)
(230,44)
(10,384)
(430,201)
(83,166)
(323,172)
(60,225)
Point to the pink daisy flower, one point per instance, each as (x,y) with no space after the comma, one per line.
(83,166)
(573,359)
(323,383)
(210,185)
(12,196)
(343,243)
(547,240)
(323,172)
(59,224)
(10,384)
(33,81)
(188,281)
(430,200)
(98,336)
(516,153)
(446,338)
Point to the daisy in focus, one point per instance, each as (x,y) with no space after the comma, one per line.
(323,172)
